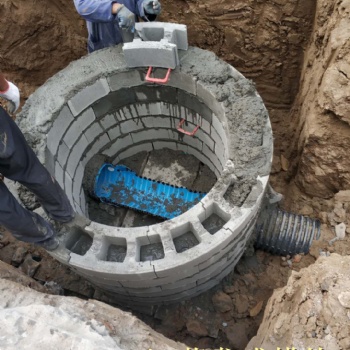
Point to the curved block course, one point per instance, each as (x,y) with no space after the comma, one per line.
(97,105)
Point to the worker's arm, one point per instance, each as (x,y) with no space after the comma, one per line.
(105,11)
(10,92)
(97,10)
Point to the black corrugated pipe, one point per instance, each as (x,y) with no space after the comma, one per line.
(282,233)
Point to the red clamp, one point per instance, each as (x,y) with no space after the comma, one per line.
(189,133)
(157,80)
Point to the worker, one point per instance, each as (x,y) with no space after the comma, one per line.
(105,19)
(19,163)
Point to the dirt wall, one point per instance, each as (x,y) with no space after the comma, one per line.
(38,38)
(311,311)
(320,115)
(263,40)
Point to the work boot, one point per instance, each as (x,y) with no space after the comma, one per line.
(49,244)
(78,222)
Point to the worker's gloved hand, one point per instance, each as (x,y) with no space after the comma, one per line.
(11,94)
(152,6)
(126,18)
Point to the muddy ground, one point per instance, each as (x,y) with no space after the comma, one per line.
(297,53)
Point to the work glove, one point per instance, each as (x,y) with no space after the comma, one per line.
(126,18)
(151,6)
(11,95)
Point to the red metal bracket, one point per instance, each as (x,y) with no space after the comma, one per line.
(189,133)
(157,80)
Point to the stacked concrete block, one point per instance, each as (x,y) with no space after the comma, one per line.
(156,45)
(155,31)
(119,114)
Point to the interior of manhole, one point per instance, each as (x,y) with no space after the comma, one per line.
(142,127)
(145,137)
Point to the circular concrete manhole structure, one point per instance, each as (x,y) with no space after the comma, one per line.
(97,105)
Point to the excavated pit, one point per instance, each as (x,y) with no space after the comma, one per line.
(98,107)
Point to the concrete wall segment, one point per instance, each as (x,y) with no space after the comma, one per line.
(139,53)
(155,31)
(84,98)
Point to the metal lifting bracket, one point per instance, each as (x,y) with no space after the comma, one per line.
(189,133)
(157,80)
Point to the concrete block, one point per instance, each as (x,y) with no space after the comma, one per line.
(182,147)
(220,126)
(205,138)
(205,126)
(212,270)
(174,135)
(86,97)
(221,144)
(216,136)
(130,125)
(221,147)
(62,154)
(97,146)
(77,182)
(175,289)
(183,82)
(156,122)
(193,142)
(193,103)
(115,100)
(156,31)
(148,109)
(210,100)
(81,123)
(213,157)
(114,133)
(221,154)
(190,116)
(126,79)
(150,134)
(136,149)
(140,53)
(165,94)
(228,269)
(185,113)
(58,129)
(112,271)
(77,208)
(165,144)
(167,108)
(172,271)
(129,112)
(202,157)
(119,115)
(59,174)
(108,121)
(121,143)
(83,203)
(76,155)
(68,187)
(209,153)
(232,248)
(93,132)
